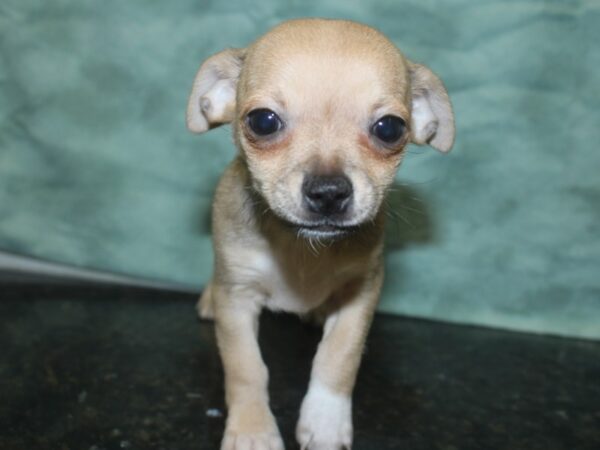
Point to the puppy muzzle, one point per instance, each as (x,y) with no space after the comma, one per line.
(327,201)
(327,196)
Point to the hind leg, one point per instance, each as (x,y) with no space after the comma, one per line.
(205,305)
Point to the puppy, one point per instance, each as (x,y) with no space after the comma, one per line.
(321,112)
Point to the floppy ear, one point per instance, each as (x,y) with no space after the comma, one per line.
(212,101)
(432,119)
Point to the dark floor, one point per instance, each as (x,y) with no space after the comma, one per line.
(89,367)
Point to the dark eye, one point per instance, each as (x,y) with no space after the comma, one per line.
(389,129)
(263,121)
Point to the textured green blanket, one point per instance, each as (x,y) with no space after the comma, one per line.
(97,168)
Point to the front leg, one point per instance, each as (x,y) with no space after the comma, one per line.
(250,423)
(326,413)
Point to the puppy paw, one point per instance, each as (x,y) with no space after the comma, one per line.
(251,427)
(325,420)
(205,307)
(257,441)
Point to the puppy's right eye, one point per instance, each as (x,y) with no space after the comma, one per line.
(389,129)
(263,122)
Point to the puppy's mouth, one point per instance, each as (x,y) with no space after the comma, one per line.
(323,230)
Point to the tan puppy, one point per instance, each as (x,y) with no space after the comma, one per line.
(321,112)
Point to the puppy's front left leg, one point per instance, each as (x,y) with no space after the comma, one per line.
(326,413)
(250,423)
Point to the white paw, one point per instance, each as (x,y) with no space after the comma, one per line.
(325,419)
(255,441)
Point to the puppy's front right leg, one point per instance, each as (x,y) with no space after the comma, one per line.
(250,423)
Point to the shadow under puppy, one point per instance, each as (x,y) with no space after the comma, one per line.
(321,112)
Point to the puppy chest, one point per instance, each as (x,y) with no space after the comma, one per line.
(292,282)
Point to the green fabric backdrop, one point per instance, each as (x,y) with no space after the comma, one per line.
(97,169)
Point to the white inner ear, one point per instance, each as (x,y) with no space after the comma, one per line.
(216,103)
(211,101)
(424,121)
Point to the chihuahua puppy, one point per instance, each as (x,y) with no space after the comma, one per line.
(321,112)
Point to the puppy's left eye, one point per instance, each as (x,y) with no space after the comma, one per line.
(389,129)
(264,122)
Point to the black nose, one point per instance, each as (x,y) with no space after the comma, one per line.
(327,194)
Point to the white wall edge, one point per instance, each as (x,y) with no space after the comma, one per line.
(31,266)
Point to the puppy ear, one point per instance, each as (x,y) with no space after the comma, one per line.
(212,101)
(432,119)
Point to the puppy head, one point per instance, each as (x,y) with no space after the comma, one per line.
(322,111)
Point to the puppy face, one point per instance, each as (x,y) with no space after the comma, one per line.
(322,111)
